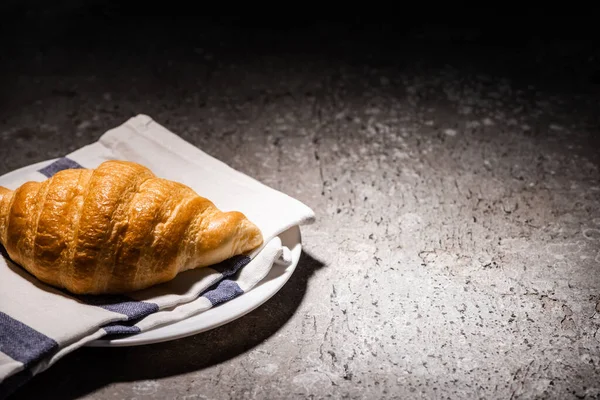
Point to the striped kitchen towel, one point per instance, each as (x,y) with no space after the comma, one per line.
(39,324)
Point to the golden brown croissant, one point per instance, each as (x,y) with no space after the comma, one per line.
(117,228)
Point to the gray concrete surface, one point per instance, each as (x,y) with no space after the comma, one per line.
(456,252)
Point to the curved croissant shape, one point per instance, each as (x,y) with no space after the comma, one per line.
(117,228)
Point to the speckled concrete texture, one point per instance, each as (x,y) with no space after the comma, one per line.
(456,252)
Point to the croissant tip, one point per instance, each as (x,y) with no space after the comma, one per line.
(255,235)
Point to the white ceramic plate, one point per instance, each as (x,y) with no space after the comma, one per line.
(213,317)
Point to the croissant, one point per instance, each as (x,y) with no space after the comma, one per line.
(116,229)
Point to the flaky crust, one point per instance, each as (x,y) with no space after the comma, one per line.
(116,229)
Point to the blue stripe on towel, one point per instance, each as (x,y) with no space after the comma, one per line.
(224,291)
(122,305)
(120,329)
(232,265)
(59,165)
(23,343)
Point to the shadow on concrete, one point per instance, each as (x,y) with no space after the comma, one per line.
(90,368)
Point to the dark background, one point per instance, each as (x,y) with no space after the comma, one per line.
(167,46)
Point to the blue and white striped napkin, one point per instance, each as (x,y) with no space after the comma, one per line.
(40,324)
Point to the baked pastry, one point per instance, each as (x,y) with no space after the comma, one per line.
(116,229)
